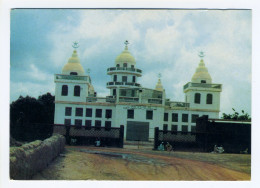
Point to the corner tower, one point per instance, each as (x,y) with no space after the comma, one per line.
(72,84)
(201,93)
(124,75)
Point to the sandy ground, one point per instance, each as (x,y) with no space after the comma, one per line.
(92,163)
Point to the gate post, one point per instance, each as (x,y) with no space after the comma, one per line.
(67,136)
(121,136)
(156,135)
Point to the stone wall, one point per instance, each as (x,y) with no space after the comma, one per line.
(33,157)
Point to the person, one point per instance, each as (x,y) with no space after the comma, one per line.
(98,142)
(161,147)
(218,149)
(168,147)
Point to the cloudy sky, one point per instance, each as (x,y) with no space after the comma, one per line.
(162,41)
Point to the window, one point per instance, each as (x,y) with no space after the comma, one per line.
(123,92)
(78,122)
(197,98)
(130,114)
(149,114)
(79,111)
(174,128)
(97,124)
(107,125)
(114,92)
(64,90)
(125,65)
(193,129)
(88,112)
(132,66)
(68,111)
(209,98)
(165,118)
(88,123)
(133,79)
(165,127)
(184,129)
(133,93)
(185,118)
(77,91)
(108,113)
(73,73)
(115,78)
(99,113)
(194,117)
(203,81)
(117,65)
(67,121)
(124,78)
(174,117)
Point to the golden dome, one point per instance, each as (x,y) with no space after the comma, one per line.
(201,75)
(73,65)
(125,57)
(159,86)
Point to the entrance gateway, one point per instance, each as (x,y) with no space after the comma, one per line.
(137,131)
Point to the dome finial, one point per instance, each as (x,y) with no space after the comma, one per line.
(159,86)
(126,43)
(88,71)
(75,45)
(201,54)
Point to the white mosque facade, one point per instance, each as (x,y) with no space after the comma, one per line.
(138,108)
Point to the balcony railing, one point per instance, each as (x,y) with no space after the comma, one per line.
(101,99)
(71,77)
(129,99)
(155,101)
(111,69)
(123,83)
(204,85)
(178,104)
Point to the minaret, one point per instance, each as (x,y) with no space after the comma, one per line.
(124,75)
(159,86)
(201,93)
(72,84)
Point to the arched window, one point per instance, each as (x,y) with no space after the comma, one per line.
(117,65)
(209,98)
(197,98)
(133,79)
(77,91)
(115,78)
(73,73)
(64,90)
(125,65)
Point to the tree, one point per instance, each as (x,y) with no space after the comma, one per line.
(236,115)
(31,118)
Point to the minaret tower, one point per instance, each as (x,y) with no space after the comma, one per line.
(201,93)
(72,84)
(125,74)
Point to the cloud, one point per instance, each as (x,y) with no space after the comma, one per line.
(36,74)
(29,88)
(162,41)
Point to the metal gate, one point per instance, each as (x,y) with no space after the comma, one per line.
(137,131)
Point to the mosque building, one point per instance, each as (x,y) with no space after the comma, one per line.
(130,104)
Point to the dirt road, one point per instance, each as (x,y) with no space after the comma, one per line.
(91,163)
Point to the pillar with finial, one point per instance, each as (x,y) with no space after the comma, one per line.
(159,86)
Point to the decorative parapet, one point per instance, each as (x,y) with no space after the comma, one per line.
(70,77)
(217,87)
(124,69)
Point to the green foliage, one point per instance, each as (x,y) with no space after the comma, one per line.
(236,115)
(30,117)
